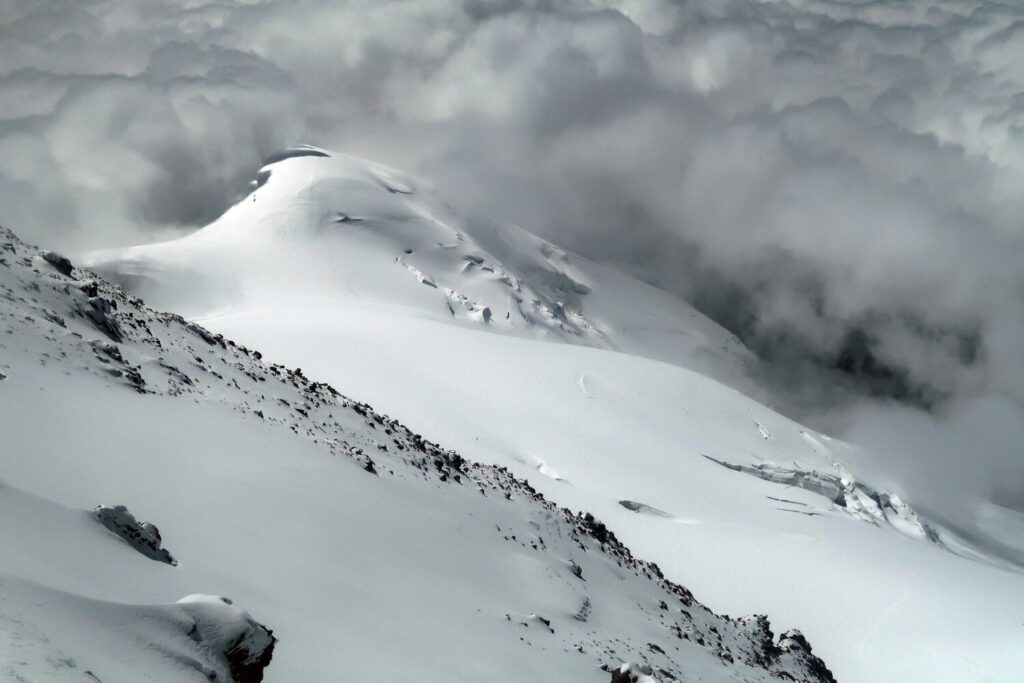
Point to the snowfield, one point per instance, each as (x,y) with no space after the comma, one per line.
(369,550)
(597,389)
(174,507)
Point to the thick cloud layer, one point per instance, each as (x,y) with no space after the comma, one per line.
(838,182)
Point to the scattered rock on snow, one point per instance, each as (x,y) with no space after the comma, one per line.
(117,366)
(142,536)
(583,613)
(53,317)
(100,312)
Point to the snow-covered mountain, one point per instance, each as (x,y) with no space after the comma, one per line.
(606,394)
(563,384)
(327,231)
(369,552)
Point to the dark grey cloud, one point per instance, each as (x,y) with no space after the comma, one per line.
(840,183)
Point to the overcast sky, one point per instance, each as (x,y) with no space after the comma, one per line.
(839,182)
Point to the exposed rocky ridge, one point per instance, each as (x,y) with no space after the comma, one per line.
(160,353)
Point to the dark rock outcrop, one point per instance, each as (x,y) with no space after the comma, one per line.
(142,536)
(60,262)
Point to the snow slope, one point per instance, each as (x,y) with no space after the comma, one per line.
(360,276)
(371,553)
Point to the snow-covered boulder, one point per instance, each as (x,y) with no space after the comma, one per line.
(244,645)
(633,673)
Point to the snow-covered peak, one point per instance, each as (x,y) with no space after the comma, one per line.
(342,232)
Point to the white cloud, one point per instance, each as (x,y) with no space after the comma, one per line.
(837,181)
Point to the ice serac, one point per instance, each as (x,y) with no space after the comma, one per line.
(858,499)
(360,541)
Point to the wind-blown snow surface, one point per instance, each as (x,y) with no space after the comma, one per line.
(359,276)
(370,552)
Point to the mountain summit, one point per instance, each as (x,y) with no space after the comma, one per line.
(327,227)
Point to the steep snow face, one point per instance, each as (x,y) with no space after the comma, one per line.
(370,551)
(630,422)
(344,233)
